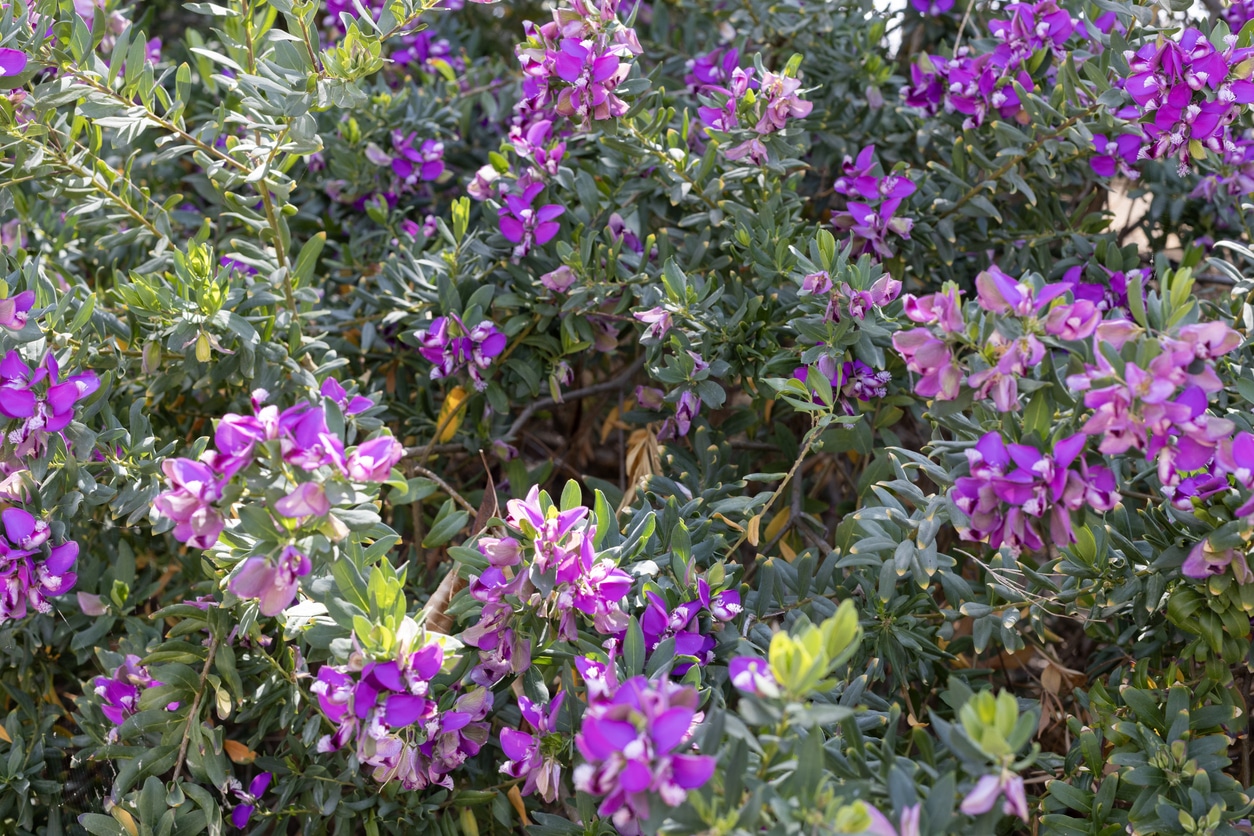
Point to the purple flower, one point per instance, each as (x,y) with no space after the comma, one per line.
(449,346)
(1077,321)
(817,284)
(273,584)
(753,676)
(306,441)
(635,747)
(527,227)
(991,787)
(942,309)
(28,575)
(1203,562)
(119,693)
(248,800)
(932,7)
(481,188)
(525,754)
(559,280)
(881,826)
(12,61)
(1114,155)
(593,72)
(373,460)
(414,164)
(659,622)
(685,411)
(503,551)
(658,320)
(308,499)
(194,488)
(724,606)
(332,389)
(14,310)
(1000,294)
(941,376)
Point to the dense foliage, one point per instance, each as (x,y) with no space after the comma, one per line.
(620,417)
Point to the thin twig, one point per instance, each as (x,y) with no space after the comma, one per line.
(608,386)
(447,488)
(193,715)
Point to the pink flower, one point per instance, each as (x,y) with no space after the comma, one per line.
(991,787)
(373,460)
(273,584)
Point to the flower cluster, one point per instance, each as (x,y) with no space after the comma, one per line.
(1012,486)
(1187,93)
(397,727)
(844,300)
(1160,406)
(410,165)
(119,694)
(635,739)
(526,226)
(296,438)
(659,622)
(765,106)
(560,577)
(1008,353)
(851,380)
(32,570)
(975,85)
(573,64)
(533,756)
(872,203)
(37,399)
(449,345)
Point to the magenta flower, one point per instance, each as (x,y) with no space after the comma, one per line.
(659,622)
(308,499)
(724,606)
(1204,562)
(1000,294)
(12,61)
(525,754)
(685,411)
(559,280)
(659,321)
(942,309)
(14,309)
(991,787)
(194,488)
(941,376)
(503,551)
(373,460)
(28,575)
(305,439)
(1076,321)
(119,693)
(1118,154)
(412,164)
(273,584)
(881,826)
(817,284)
(332,389)
(449,345)
(593,72)
(248,800)
(753,676)
(782,102)
(932,7)
(527,227)
(635,746)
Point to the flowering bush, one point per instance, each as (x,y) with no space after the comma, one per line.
(626,417)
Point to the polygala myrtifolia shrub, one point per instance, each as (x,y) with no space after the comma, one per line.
(626,417)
